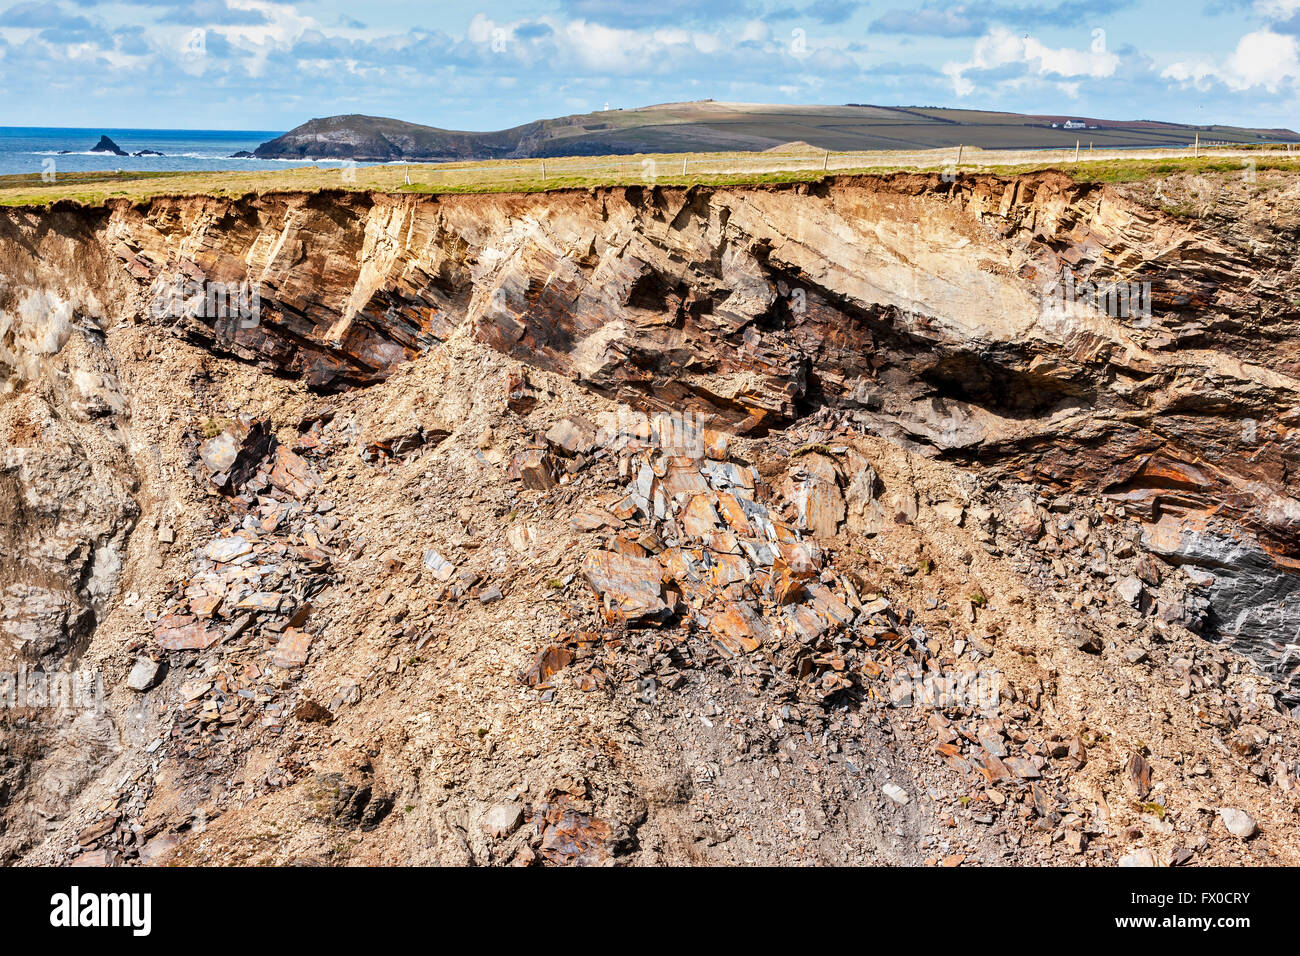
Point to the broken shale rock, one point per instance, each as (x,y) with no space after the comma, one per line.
(813,489)
(535,468)
(572,436)
(631,588)
(233,456)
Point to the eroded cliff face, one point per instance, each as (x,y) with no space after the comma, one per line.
(65,491)
(926,311)
(948,322)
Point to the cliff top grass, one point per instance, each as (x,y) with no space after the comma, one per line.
(714,169)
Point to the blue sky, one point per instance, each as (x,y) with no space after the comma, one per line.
(271,64)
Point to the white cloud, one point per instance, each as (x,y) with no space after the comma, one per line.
(457,73)
(616,51)
(1262,59)
(284,22)
(707,42)
(600,47)
(1001,48)
(1277,9)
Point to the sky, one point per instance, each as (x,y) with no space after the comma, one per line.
(272,64)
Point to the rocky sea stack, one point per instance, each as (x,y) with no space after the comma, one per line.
(106,145)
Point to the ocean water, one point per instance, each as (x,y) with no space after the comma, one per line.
(31,149)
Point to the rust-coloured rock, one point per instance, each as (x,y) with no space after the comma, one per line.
(739,628)
(293,475)
(631,587)
(535,468)
(549,661)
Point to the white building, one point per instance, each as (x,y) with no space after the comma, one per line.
(1075,124)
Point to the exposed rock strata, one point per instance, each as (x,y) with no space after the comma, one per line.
(923,311)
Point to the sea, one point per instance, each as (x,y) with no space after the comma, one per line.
(32,149)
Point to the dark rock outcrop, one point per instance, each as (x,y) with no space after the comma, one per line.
(106,145)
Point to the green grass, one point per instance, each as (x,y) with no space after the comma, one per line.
(1125,171)
(553,183)
(31,189)
(586,172)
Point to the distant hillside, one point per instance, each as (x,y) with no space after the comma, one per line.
(707,126)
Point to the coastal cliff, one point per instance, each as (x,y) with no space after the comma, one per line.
(1050,425)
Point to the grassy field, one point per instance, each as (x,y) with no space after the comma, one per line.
(708,125)
(1124,171)
(662,169)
